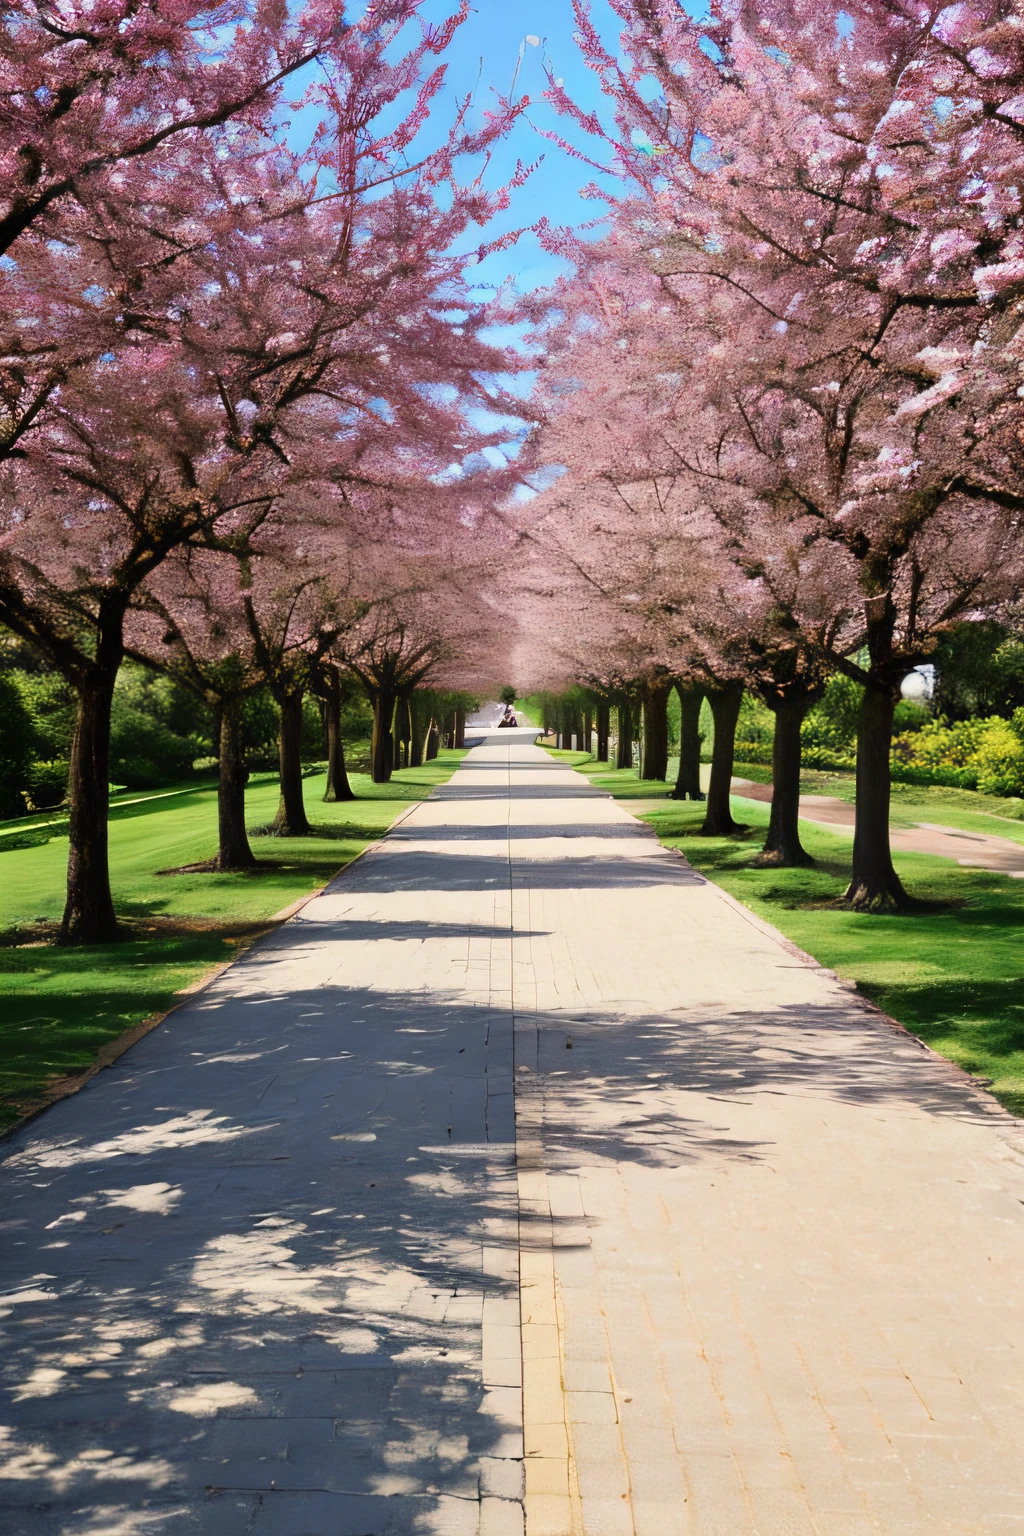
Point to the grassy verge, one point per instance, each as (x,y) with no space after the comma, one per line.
(60,1008)
(953,975)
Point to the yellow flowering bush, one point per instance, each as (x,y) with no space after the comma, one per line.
(984,754)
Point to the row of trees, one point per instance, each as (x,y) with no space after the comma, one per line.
(784,392)
(246,396)
(165,733)
(251,418)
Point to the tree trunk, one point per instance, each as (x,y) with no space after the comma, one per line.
(89,910)
(402,731)
(782,845)
(381,748)
(588,727)
(603,724)
(655,745)
(460,727)
(725,709)
(417,732)
(233,851)
(874,885)
(691,696)
(338,786)
(291,820)
(624,747)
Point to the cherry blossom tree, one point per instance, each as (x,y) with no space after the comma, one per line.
(190,622)
(435,635)
(91,96)
(333,688)
(109,116)
(829,211)
(296,325)
(87,522)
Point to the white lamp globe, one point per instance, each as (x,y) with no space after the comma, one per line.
(919,685)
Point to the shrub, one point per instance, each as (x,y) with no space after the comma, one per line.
(145,753)
(979,671)
(831,725)
(984,754)
(314,743)
(756,722)
(261,720)
(910,715)
(760,752)
(50,701)
(1000,760)
(47,783)
(156,730)
(15,747)
(987,755)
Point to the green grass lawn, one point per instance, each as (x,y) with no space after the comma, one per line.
(622,782)
(61,1006)
(954,975)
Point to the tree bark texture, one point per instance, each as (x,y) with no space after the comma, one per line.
(89,916)
(874,884)
(381,744)
(418,731)
(460,727)
(691,696)
(588,728)
(783,846)
(338,786)
(655,743)
(603,731)
(624,746)
(291,820)
(233,850)
(402,731)
(725,709)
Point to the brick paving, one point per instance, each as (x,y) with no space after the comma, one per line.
(744,1258)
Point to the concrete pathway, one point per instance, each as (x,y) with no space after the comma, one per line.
(753,1253)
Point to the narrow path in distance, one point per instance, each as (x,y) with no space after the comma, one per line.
(741,1257)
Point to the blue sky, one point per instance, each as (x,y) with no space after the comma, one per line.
(483,57)
(485,54)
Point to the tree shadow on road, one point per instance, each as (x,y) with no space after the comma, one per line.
(616,831)
(247,1264)
(426,871)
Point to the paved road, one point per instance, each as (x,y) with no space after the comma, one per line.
(754,1255)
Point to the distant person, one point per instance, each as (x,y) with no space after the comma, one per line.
(508,718)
